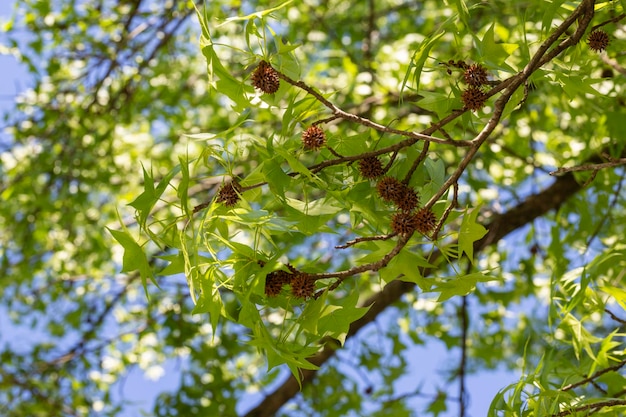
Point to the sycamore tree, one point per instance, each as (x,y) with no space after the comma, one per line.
(287,198)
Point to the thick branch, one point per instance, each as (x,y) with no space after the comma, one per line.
(534,206)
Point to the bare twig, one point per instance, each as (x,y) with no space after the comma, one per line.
(614,317)
(414,136)
(606,22)
(595,376)
(372,266)
(590,407)
(590,167)
(365,239)
(454,204)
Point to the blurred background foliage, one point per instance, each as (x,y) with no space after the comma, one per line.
(118,94)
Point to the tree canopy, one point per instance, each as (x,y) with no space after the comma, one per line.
(289,198)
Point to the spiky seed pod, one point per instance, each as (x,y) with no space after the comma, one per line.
(425,221)
(408,199)
(390,189)
(302,285)
(475,75)
(474,98)
(275,281)
(403,223)
(598,40)
(228,194)
(265,78)
(313,138)
(371,167)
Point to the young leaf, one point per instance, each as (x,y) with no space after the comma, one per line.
(134,258)
(419,59)
(470,232)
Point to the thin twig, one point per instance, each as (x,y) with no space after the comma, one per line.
(454,204)
(614,317)
(372,266)
(594,376)
(593,407)
(590,167)
(365,239)
(367,122)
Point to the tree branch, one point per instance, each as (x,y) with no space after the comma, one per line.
(534,206)
(590,167)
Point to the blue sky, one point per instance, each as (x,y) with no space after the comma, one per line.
(425,361)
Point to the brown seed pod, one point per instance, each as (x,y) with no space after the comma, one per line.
(408,199)
(313,138)
(598,40)
(474,98)
(390,189)
(228,194)
(371,167)
(425,221)
(275,281)
(475,75)
(265,78)
(302,285)
(403,223)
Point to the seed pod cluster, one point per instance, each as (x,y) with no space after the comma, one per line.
(403,196)
(474,98)
(313,138)
(228,194)
(425,221)
(403,223)
(371,167)
(475,75)
(275,281)
(265,78)
(302,284)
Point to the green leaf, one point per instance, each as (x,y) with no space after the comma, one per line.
(460,286)
(335,322)
(494,54)
(183,186)
(463,12)
(276,178)
(419,59)
(226,84)
(256,15)
(176,264)
(469,233)
(438,405)
(440,103)
(617,293)
(319,207)
(149,197)
(134,258)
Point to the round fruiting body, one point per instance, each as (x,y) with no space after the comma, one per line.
(371,167)
(302,285)
(598,40)
(425,221)
(313,138)
(475,75)
(389,188)
(275,281)
(403,223)
(265,78)
(408,199)
(228,194)
(474,98)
